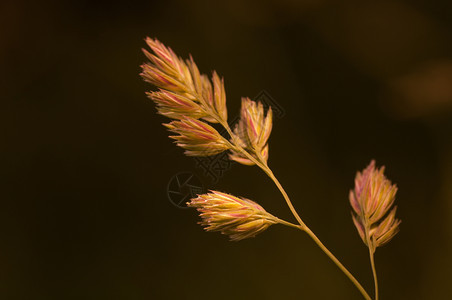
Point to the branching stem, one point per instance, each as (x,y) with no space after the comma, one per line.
(261,163)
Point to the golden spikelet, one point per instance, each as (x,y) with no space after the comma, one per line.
(371,200)
(197,138)
(252,132)
(238,218)
(184,91)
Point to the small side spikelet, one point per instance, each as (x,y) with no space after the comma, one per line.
(197,138)
(236,217)
(252,131)
(371,200)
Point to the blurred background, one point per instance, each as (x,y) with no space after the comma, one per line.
(86,165)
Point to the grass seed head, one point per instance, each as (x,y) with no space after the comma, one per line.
(197,137)
(373,212)
(238,218)
(253,131)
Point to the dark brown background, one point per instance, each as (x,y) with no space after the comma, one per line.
(85,162)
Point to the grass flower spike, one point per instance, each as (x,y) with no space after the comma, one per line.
(252,132)
(197,138)
(236,217)
(371,200)
(183,89)
(166,70)
(193,100)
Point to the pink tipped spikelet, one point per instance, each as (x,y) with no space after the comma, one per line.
(237,217)
(165,69)
(176,106)
(371,201)
(197,138)
(184,91)
(253,131)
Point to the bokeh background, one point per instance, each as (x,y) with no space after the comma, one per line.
(85,162)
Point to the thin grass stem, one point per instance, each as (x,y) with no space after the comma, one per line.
(338,263)
(311,234)
(260,162)
(372,260)
(288,223)
(374,271)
